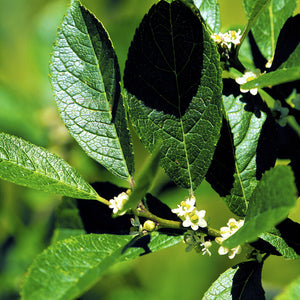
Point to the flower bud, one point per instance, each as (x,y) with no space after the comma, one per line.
(149,225)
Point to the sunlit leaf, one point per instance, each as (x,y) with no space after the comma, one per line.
(70,267)
(210,12)
(270,203)
(273,237)
(85,79)
(26,164)
(221,288)
(173,80)
(269,22)
(245,127)
(274,78)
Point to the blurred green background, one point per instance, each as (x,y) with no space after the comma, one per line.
(27,31)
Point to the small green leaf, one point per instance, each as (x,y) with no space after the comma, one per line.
(274,78)
(85,79)
(171,54)
(26,164)
(144,181)
(269,22)
(270,203)
(221,288)
(273,237)
(291,292)
(71,266)
(210,12)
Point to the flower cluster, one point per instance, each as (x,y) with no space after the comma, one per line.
(227,38)
(118,202)
(232,227)
(248,76)
(195,240)
(191,216)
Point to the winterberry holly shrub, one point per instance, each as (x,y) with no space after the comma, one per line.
(221,107)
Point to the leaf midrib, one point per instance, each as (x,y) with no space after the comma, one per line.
(105,93)
(179,103)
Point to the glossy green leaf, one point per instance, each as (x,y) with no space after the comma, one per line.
(273,237)
(274,78)
(173,80)
(246,128)
(144,181)
(291,292)
(270,203)
(221,288)
(71,266)
(210,12)
(268,24)
(253,9)
(26,164)
(85,79)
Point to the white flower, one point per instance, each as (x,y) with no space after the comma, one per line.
(195,220)
(231,253)
(117,203)
(232,227)
(233,37)
(185,207)
(248,76)
(227,38)
(205,246)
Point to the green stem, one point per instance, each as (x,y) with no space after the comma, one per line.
(141,211)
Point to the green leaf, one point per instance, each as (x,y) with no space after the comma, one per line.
(210,12)
(274,78)
(291,292)
(270,203)
(246,128)
(221,288)
(269,22)
(253,8)
(274,238)
(26,164)
(144,181)
(171,54)
(85,79)
(71,266)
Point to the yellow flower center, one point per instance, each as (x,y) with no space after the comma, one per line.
(194,219)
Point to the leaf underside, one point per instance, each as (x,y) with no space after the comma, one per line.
(173,80)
